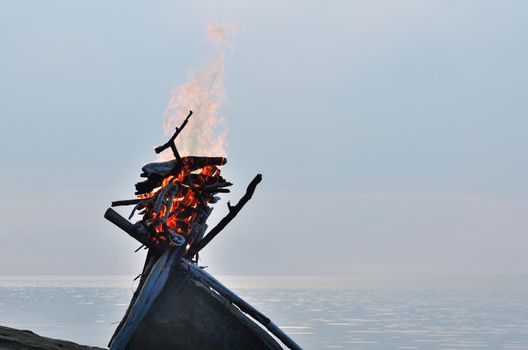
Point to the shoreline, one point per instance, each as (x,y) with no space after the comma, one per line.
(11,339)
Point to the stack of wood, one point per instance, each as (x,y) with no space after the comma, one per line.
(177,304)
(174,199)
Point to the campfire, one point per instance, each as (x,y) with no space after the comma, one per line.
(174,201)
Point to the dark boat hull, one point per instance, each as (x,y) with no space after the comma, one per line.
(176,309)
(189,315)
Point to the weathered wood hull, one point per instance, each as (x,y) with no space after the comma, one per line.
(175,308)
(189,315)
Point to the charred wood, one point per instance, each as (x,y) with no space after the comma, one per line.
(133,230)
(157,172)
(196,192)
(170,143)
(216,185)
(126,202)
(217,190)
(153,181)
(214,199)
(195,163)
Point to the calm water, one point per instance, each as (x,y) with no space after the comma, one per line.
(361,312)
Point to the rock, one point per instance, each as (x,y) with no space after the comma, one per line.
(14,339)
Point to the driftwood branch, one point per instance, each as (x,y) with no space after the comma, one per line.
(216,185)
(217,190)
(126,202)
(195,191)
(171,143)
(233,211)
(125,225)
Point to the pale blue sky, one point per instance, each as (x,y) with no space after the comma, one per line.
(391,134)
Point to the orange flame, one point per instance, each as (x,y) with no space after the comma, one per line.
(187,201)
(204,94)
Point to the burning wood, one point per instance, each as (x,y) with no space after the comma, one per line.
(174,202)
(175,196)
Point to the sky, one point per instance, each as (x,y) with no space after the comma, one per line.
(391,134)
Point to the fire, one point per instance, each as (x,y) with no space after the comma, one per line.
(174,199)
(174,210)
(204,93)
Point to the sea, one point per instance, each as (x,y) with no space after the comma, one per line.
(318,312)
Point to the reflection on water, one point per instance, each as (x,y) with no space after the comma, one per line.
(362,312)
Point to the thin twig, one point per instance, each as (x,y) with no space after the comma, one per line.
(171,143)
(126,202)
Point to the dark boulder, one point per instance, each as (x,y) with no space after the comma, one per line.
(14,339)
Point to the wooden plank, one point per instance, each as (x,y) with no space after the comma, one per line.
(126,202)
(114,217)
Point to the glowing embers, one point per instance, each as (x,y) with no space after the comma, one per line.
(174,198)
(177,205)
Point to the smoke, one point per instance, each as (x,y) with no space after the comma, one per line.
(203,93)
